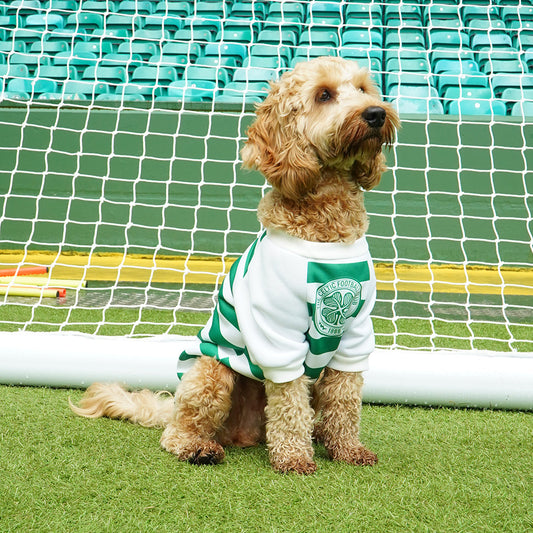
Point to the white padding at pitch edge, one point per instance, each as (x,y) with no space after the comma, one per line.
(443,378)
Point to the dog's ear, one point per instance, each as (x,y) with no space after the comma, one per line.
(279,151)
(368,173)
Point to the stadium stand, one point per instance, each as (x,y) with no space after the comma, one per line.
(472,56)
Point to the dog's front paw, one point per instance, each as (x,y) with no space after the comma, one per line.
(356,454)
(299,465)
(193,450)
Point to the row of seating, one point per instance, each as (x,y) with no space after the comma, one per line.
(478,50)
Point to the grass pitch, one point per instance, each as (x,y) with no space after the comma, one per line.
(439,470)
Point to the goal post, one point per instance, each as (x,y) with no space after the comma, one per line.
(120,166)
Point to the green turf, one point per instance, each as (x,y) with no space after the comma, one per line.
(439,470)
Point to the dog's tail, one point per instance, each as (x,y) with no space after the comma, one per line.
(111,400)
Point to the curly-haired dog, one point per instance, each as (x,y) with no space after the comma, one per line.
(296,306)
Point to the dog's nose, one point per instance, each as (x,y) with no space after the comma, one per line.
(374,116)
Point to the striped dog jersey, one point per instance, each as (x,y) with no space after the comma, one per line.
(290,307)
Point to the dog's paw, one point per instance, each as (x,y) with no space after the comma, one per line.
(193,450)
(299,465)
(356,454)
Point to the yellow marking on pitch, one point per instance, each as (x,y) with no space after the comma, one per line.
(179,270)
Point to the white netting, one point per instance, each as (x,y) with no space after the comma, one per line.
(121,124)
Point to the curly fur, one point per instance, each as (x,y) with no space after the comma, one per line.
(318,143)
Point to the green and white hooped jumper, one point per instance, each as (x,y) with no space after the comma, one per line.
(290,307)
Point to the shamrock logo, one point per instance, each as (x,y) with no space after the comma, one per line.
(336,301)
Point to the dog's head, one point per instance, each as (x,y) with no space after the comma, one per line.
(325,114)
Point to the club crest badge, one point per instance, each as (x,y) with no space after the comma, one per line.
(336,301)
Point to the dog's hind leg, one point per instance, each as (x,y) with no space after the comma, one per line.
(289,426)
(202,404)
(337,400)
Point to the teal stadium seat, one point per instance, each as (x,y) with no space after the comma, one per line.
(477,107)
(82,59)
(85,20)
(237,51)
(466,93)
(320,36)
(135,7)
(191,90)
(425,106)
(183,53)
(278,36)
(98,5)
(177,9)
(49,47)
(32,61)
(58,72)
(111,75)
(501,82)
(123,21)
(325,13)
(24,7)
(88,88)
(523,108)
(248,10)
(44,22)
(218,76)
(130,61)
(144,49)
(96,48)
(31,87)
(158,22)
(268,50)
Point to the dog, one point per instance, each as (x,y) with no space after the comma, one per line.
(281,358)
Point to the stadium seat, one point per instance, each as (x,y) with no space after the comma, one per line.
(159,23)
(500,54)
(402,14)
(96,48)
(218,76)
(192,90)
(424,106)
(478,12)
(155,36)
(85,20)
(112,75)
(500,82)
(248,10)
(255,75)
(416,79)
(362,37)
(31,60)
(271,62)
(98,5)
(327,13)
(440,38)
(31,86)
(490,41)
(277,37)
(148,91)
(58,72)
(24,7)
(178,9)
(268,50)
(14,71)
(82,59)
(86,87)
(130,61)
(135,7)
(282,10)
(125,21)
(512,95)
(319,36)
(227,63)
(477,107)
(6,47)
(407,65)
(413,91)
(444,12)
(360,11)
(468,93)
(47,21)
(196,35)
(138,48)
(49,47)
(524,108)
(309,52)
(236,51)
(504,66)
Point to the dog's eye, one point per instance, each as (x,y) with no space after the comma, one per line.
(324,96)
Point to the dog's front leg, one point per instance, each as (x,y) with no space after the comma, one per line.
(289,426)
(337,400)
(203,402)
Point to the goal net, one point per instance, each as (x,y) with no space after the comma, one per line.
(121,126)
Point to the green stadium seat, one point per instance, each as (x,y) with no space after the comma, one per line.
(477,107)
(516,13)
(28,37)
(193,90)
(130,23)
(309,52)
(362,37)
(31,86)
(218,76)
(255,75)
(524,108)
(455,66)
(418,105)
(490,41)
(371,55)
(444,81)
(31,60)
(195,35)
(120,97)
(144,49)
(327,13)
(399,14)
(24,7)
(135,7)
(504,66)
(500,82)
(147,91)
(6,47)
(58,72)
(268,50)
(187,51)
(473,12)
(112,75)
(232,34)
(177,9)
(48,21)
(14,71)
(236,91)
(158,22)
(480,26)
(95,47)
(441,38)
(237,51)
(271,62)
(372,64)
(62,5)
(441,11)
(417,79)
(320,36)
(468,93)
(156,36)
(130,61)
(503,54)
(83,59)
(401,64)
(49,47)
(85,20)
(524,40)
(98,5)
(404,38)
(282,10)
(455,54)
(210,9)
(277,37)
(248,10)
(86,87)
(10,21)
(413,91)
(214,61)
(363,14)
(512,95)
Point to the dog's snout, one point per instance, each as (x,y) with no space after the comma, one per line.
(374,116)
